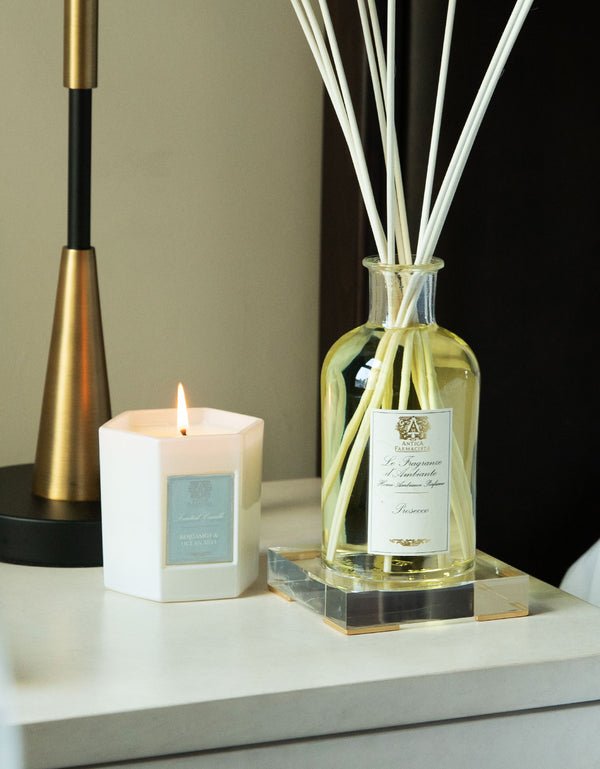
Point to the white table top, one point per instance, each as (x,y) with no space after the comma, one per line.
(103,677)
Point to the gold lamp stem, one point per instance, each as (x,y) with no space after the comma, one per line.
(76,397)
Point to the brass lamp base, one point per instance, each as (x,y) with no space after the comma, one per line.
(50,511)
(76,398)
(44,532)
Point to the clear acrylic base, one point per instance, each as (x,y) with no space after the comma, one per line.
(495,591)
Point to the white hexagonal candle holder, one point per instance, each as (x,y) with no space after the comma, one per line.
(181,513)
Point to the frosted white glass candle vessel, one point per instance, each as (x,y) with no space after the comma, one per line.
(181,513)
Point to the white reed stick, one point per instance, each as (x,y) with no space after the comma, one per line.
(390,130)
(427,244)
(437,117)
(319,51)
(378,40)
(312,32)
(404,254)
(358,448)
(404,251)
(355,133)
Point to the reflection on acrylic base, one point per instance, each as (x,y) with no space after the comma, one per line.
(496,591)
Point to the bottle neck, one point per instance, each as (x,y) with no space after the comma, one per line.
(402,295)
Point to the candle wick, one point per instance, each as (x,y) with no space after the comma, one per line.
(183,430)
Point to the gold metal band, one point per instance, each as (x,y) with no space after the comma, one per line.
(80,64)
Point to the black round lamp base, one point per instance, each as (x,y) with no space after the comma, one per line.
(45,532)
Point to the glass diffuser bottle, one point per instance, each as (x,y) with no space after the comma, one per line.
(400,399)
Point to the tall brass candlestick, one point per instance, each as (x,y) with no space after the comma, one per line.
(76,396)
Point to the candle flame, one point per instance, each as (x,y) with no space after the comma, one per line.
(182,415)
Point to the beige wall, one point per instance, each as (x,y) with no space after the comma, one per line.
(205,200)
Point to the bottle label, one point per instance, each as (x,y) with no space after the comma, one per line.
(199,519)
(409,482)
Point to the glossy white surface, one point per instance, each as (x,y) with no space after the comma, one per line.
(106,677)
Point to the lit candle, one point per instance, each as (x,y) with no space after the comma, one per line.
(180,491)
(183,422)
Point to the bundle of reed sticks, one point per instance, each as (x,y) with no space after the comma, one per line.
(392,241)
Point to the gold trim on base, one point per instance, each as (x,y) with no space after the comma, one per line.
(281,594)
(502,615)
(360,630)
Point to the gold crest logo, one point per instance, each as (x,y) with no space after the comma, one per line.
(413,428)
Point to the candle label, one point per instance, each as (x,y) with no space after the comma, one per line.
(409,482)
(199,519)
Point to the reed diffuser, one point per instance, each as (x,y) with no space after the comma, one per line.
(399,394)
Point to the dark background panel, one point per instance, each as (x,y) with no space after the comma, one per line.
(521,249)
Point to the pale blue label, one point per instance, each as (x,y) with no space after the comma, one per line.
(199,519)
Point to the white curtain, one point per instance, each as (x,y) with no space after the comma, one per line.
(582,578)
